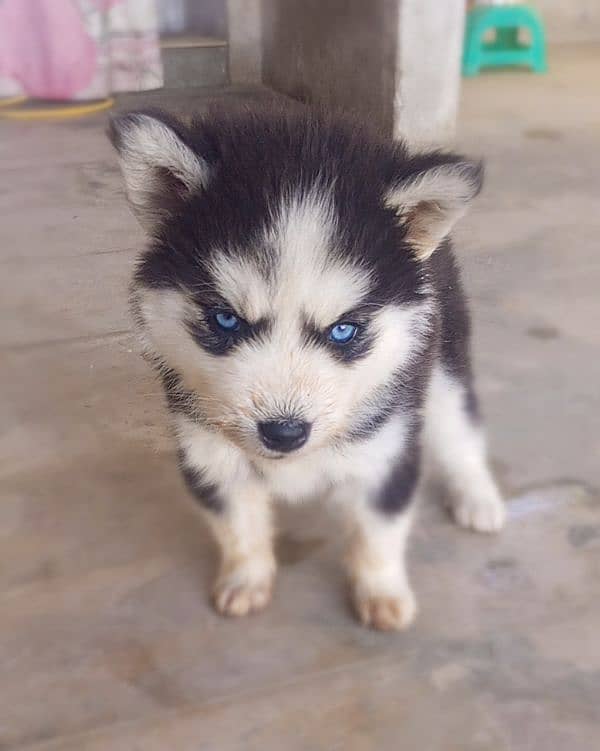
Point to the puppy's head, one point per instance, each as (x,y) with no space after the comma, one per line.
(286,281)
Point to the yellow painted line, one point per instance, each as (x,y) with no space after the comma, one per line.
(12,100)
(57,113)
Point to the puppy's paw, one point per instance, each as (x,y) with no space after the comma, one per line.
(384,611)
(245,588)
(482,513)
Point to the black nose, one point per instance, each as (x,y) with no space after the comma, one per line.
(284,435)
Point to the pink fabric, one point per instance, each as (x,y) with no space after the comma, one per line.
(77,49)
(105,4)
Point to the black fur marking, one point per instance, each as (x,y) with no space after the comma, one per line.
(398,490)
(472,403)
(207,493)
(256,157)
(455,325)
(380,409)
(356,349)
(215,340)
(180,400)
(403,394)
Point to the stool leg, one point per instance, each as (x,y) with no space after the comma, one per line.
(471,57)
(538,44)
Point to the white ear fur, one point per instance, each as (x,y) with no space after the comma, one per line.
(429,203)
(157,166)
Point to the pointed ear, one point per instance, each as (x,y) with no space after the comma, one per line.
(159,167)
(429,202)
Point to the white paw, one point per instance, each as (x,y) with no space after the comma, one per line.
(485,513)
(244,589)
(384,611)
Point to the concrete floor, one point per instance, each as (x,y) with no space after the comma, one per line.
(106,638)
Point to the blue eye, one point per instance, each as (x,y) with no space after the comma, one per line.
(227,321)
(342,333)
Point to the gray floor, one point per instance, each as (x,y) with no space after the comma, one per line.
(106,638)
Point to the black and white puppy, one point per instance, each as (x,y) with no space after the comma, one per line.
(300,300)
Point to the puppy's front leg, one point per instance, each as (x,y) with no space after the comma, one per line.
(380,523)
(244,533)
(381,592)
(241,524)
(238,511)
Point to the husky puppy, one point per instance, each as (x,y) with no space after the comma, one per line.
(301,302)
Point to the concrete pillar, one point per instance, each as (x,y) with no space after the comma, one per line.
(244,20)
(395,63)
(342,52)
(430,39)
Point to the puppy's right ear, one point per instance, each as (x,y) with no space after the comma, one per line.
(159,166)
(432,197)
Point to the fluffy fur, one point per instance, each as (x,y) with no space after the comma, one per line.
(295,222)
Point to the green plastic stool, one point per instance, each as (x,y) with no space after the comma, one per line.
(505,20)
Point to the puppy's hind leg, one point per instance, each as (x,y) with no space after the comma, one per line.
(454,443)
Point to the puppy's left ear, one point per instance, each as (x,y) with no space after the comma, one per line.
(431,199)
(159,165)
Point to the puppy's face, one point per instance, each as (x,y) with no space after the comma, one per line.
(286,280)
